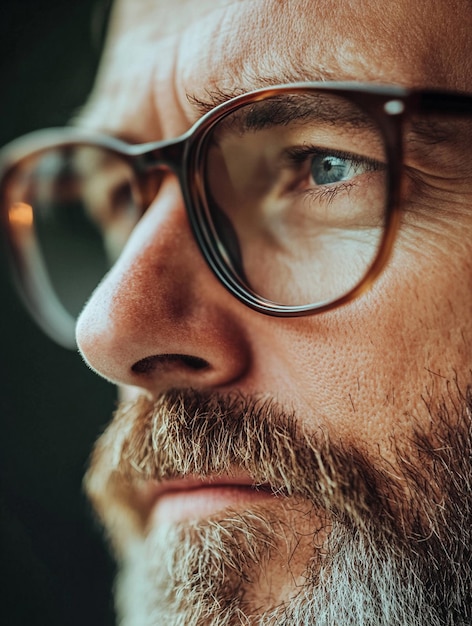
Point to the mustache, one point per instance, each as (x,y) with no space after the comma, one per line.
(190,433)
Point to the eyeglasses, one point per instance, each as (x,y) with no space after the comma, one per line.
(293,195)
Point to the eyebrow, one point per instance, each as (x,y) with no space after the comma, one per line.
(214,98)
(322,108)
(280,109)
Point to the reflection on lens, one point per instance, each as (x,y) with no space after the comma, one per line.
(82,208)
(20,215)
(296,190)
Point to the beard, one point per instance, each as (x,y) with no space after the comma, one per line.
(348,540)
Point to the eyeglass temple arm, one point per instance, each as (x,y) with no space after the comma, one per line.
(446,103)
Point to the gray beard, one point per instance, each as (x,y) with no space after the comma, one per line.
(200,575)
(394,554)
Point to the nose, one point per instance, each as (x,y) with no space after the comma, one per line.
(160,319)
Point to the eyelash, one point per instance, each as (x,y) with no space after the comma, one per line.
(327,195)
(299,154)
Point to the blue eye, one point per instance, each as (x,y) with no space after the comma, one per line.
(327,169)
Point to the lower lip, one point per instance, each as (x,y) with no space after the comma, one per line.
(201,502)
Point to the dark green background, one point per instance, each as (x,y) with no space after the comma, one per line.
(54,568)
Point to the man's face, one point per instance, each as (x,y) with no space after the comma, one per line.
(353,423)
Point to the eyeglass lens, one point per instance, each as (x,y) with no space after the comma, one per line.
(297,188)
(84,204)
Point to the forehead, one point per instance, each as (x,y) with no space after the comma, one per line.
(170,53)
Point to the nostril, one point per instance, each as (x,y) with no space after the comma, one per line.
(167,361)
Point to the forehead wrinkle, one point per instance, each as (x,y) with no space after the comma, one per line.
(235,62)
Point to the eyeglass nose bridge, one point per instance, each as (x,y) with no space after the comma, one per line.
(169,155)
(151,161)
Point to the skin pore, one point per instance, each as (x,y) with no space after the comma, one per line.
(385,379)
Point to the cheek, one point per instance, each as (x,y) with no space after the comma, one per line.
(417,344)
(365,370)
